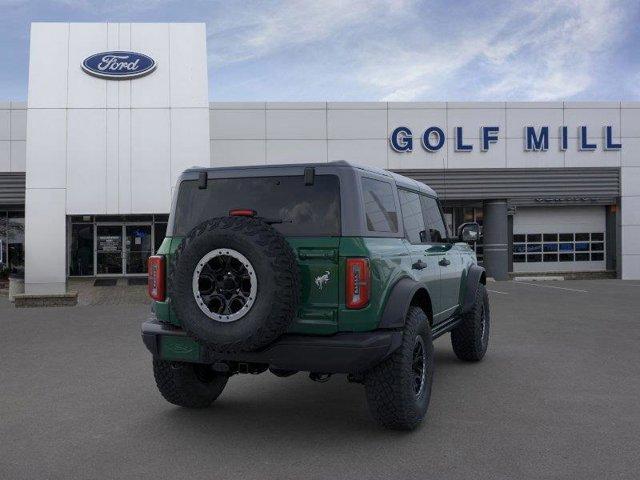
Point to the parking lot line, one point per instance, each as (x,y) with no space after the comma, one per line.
(551,286)
(496,291)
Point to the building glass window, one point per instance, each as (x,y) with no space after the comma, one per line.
(558,247)
(455,216)
(468,215)
(159,234)
(4,265)
(15,241)
(81,253)
(109,249)
(138,248)
(113,245)
(472,214)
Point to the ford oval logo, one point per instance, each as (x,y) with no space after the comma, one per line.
(118,65)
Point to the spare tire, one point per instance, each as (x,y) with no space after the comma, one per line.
(234,284)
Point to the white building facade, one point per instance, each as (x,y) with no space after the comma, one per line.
(556,184)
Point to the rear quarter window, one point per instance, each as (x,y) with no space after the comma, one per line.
(305,210)
(379,206)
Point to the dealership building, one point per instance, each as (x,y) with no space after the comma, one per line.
(116,111)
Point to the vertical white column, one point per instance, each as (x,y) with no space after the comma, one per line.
(630,195)
(189,107)
(45,241)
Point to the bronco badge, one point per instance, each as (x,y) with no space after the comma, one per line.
(322,280)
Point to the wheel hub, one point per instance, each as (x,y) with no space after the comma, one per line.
(224,285)
(229,283)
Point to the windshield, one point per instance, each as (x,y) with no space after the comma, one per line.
(312,210)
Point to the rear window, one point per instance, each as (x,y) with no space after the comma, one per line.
(306,211)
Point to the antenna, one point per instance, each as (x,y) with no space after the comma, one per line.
(444,173)
(444,194)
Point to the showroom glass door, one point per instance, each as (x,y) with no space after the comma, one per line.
(109,258)
(138,248)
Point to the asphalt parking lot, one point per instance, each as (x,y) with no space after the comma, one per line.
(558,396)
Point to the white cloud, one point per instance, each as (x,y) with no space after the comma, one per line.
(406,50)
(562,55)
(546,51)
(241,34)
(402,49)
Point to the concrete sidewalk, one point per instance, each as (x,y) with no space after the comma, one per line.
(120,294)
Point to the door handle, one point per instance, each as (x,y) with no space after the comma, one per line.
(419,265)
(444,262)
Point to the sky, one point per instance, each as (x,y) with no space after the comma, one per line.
(377,50)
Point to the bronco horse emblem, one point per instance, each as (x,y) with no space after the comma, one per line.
(321,280)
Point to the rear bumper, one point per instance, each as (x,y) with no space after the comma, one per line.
(339,353)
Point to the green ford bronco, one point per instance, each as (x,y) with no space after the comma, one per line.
(322,268)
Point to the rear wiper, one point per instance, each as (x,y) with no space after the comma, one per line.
(271,221)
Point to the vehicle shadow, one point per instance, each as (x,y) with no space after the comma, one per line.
(265,406)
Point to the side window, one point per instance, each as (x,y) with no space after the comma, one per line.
(379,206)
(436,231)
(412,216)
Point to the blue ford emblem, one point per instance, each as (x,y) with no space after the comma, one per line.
(118,65)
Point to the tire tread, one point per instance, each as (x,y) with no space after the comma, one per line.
(180,386)
(391,401)
(466,338)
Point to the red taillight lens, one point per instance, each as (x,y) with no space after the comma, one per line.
(242,212)
(156,269)
(358,282)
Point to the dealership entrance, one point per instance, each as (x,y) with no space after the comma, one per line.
(122,249)
(113,246)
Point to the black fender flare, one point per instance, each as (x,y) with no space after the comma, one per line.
(475,277)
(398,303)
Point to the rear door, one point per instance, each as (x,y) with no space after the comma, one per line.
(425,268)
(449,259)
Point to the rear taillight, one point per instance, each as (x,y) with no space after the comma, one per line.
(358,282)
(156,269)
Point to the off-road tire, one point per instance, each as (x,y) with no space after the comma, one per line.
(187,384)
(470,338)
(278,283)
(389,385)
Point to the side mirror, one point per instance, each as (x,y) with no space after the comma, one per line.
(469,232)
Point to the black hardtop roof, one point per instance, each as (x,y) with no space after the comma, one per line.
(265,170)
